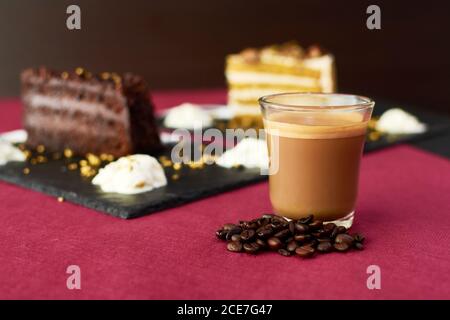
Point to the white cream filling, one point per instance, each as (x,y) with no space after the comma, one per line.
(131,175)
(72,106)
(251,93)
(326,66)
(245,110)
(255,78)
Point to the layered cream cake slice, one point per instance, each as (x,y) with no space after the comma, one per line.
(253,73)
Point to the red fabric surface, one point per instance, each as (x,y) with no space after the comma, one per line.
(403,210)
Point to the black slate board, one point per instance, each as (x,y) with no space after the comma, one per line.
(55,179)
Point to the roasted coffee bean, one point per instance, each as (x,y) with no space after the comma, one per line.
(235,230)
(341,229)
(334,233)
(316,234)
(268,216)
(324,246)
(344,238)
(341,246)
(358,238)
(234,246)
(291,246)
(305,251)
(312,243)
(275,225)
(306,220)
(231,232)
(274,243)
(236,237)
(302,237)
(243,224)
(248,235)
(315,225)
(279,219)
(262,244)
(301,228)
(265,233)
(292,227)
(251,247)
(228,226)
(329,227)
(221,234)
(283,234)
(264,221)
(284,252)
(253,225)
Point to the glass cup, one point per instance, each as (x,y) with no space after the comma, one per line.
(315,145)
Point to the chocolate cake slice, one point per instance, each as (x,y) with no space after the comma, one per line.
(105,113)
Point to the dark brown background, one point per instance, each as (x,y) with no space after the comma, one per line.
(182,44)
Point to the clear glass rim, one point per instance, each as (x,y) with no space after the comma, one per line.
(362,104)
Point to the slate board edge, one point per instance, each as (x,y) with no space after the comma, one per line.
(128,213)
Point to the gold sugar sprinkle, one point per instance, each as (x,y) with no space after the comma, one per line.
(79,71)
(196,164)
(41,159)
(374,136)
(60,199)
(166,163)
(68,153)
(93,160)
(21,147)
(83,163)
(105,75)
(209,159)
(140,185)
(175,176)
(27,154)
(72,166)
(26,171)
(177,166)
(372,123)
(33,161)
(88,171)
(65,75)
(106,157)
(40,148)
(116,78)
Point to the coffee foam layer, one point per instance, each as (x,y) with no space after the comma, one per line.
(326,125)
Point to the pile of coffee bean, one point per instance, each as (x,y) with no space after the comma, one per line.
(303,237)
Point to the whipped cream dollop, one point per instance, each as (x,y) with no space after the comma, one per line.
(398,121)
(8,152)
(249,152)
(131,175)
(15,136)
(188,116)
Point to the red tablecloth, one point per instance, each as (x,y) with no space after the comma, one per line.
(403,209)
